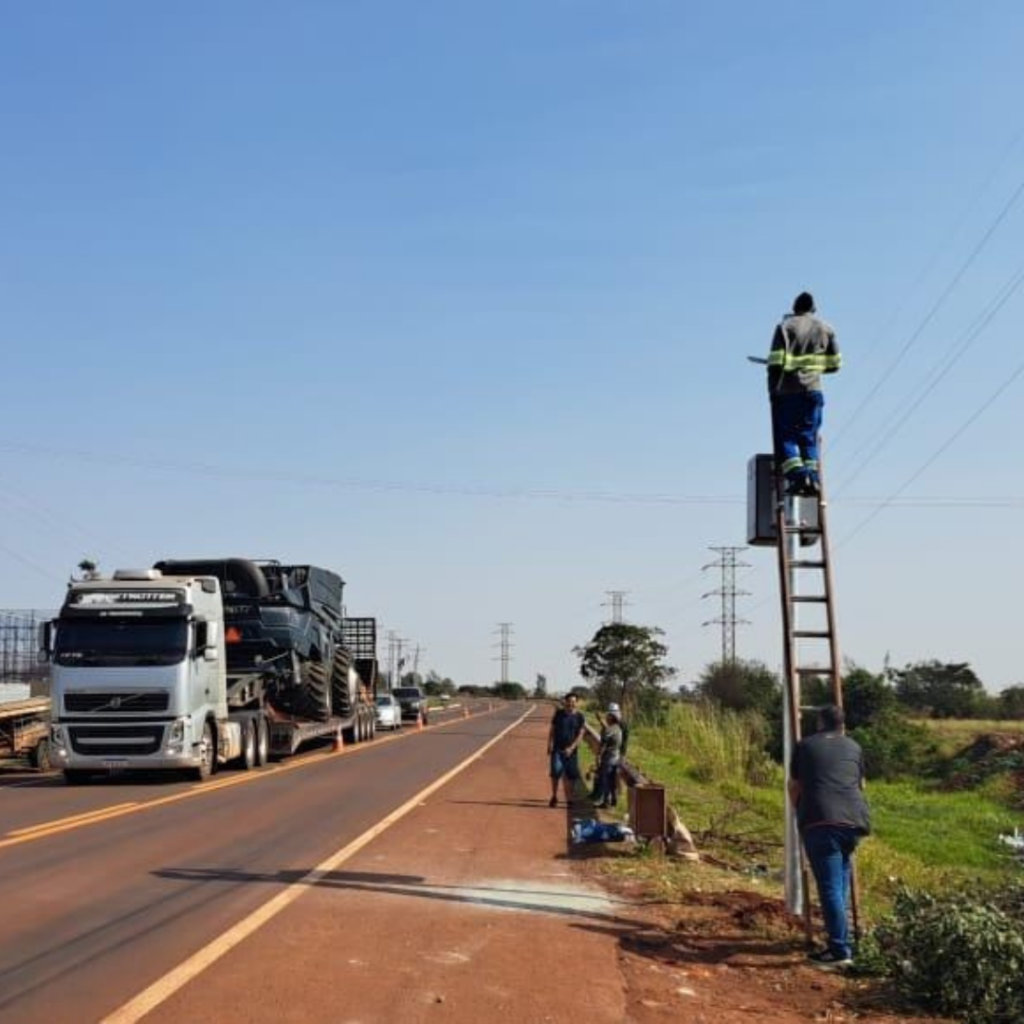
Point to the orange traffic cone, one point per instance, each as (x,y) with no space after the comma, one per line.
(339,742)
(465,711)
(419,722)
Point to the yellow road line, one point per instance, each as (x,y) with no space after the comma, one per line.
(65,821)
(162,989)
(55,827)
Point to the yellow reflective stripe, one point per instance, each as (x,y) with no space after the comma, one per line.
(777,357)
(833,362)
(808,364)
(794,463)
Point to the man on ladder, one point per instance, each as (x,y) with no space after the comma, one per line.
(803,348)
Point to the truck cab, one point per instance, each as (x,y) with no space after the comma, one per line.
(138,675)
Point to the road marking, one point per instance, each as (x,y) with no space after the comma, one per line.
(67,821)
(58,825)
(163,988)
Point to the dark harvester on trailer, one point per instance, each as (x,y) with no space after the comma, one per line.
(291,653)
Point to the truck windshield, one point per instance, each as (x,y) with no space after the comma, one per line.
(107,642)
(406,693)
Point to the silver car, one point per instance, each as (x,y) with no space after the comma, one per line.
(389,713)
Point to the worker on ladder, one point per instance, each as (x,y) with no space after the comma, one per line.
(803,348)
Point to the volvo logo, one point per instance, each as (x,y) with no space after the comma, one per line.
(115,702)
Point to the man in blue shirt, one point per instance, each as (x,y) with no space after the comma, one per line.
(564,738)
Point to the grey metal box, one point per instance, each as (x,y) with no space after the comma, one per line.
(761,501)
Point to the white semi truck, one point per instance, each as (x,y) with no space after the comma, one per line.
(194,665)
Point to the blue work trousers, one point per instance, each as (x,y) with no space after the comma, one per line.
(830,853)
(796,423)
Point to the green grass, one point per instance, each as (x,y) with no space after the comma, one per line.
(953,734)
(923,837)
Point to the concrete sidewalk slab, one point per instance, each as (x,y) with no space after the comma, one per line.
(465,909)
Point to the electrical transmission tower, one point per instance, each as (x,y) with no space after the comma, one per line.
(616,601)
(727,592)
(505,647)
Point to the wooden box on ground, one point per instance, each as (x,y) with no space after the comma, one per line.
(648,810)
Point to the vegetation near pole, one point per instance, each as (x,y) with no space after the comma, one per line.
(625,663)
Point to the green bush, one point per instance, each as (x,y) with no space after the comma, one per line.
(957,955)
(895,747)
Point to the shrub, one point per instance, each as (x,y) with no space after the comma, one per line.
(957,955)
(894,746)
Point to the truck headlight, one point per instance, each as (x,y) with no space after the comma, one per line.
(58,737)
(176,736)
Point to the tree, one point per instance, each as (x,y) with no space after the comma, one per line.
(540,690)
(1011,702)
(509,691)
(740,686)
(939,689)
(625,663)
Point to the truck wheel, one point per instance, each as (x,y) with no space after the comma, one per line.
(316,685)
(341,697)
(206,755)
(249,746)
(41,756)
(262,741)
(76,777)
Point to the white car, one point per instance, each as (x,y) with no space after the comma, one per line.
(389,713)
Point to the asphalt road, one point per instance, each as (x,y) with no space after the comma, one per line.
(94,905)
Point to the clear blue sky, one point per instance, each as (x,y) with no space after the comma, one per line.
(339,282)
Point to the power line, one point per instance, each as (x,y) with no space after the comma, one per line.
(937,453)
(935,307)
(952,357)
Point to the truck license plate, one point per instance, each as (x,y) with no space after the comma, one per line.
(115,764)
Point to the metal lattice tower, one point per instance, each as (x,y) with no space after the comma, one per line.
(728,564)
(617,602)
(505,648)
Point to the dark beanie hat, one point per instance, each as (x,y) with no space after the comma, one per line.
(803,303)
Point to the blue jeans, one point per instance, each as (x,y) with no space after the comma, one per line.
(796,423)
(830,852)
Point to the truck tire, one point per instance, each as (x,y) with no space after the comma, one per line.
(262,741)
(248,759)
(41,756)
(314,698)
(207,755)
(341,695)
(76,777)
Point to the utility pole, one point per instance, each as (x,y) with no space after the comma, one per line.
(505,645)
(617,601)
(420,649)
(727,592)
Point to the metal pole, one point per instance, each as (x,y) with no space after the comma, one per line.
(794,875)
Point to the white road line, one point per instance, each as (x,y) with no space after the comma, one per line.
(162,989)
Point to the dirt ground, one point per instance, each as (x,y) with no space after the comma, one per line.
(474,907)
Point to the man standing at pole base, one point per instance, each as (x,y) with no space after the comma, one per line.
(803,348)
(826,783)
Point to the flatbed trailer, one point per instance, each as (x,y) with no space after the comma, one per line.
(25,731)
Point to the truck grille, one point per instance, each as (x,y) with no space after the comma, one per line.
(124,702)
(102,741)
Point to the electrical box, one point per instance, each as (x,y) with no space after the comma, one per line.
(648,810)
(761,501)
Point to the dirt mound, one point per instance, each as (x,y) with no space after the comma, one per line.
(993,753)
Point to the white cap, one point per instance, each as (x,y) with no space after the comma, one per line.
(613,708)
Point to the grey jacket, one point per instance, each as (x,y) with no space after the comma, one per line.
(803,348)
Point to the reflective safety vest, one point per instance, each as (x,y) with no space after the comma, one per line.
(803,348)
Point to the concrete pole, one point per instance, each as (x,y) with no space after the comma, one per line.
(791,692)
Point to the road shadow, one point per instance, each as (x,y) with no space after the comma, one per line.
(536,804)
(571,904)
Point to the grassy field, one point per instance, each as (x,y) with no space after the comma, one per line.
(953,734)
(731,798)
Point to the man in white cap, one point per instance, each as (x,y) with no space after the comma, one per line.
(609,757)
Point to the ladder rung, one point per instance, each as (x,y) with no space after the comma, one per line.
(806,565)
(814,530)
(809,599)
(811,634)
(826,671)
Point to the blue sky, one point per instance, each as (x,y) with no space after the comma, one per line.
(352,283)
